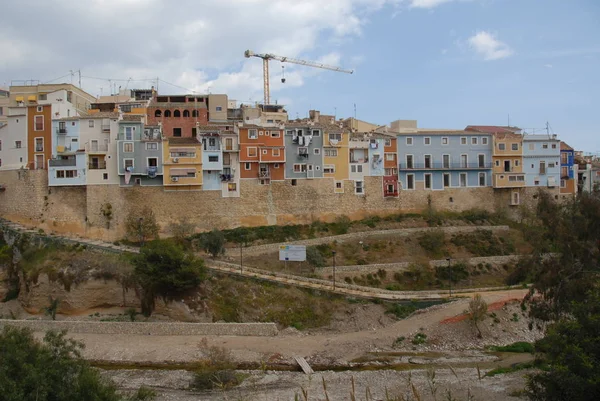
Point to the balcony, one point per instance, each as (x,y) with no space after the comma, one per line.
(96,148)
(227,177)
(387,194)
(62,130)
(63,162)
(264,174)
(99,165)
(105,127)
(445,166)
(232,148)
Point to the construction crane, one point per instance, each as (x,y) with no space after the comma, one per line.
(267,57)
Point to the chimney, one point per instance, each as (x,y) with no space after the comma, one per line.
(314,115)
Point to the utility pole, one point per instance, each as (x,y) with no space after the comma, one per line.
(333,253)
(241,253)
(450,275)
(79,72)
(141,232)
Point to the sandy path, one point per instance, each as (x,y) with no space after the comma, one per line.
(338,346)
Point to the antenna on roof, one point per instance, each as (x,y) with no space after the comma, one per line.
(508,120)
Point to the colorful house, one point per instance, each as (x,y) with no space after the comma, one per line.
(567,170)
(508,161)
(336,156)
(541,160)
(230,179)
(66,166)
(390,164)
(303,150)
(262,153)
(182,164)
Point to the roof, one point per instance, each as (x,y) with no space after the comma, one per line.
(439,132)
(132,117)
(564,146)
(491,129)
(102,114)
(183,141)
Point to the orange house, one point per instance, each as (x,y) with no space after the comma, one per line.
(390,164)
(39,136)
(262,153)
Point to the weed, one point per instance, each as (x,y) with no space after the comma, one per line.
(520,347)
(419,338)
(398,341)
(433,242)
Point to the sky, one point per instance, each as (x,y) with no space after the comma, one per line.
(445,63)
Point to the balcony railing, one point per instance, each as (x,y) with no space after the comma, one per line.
(63,162)
(105,127)
(100,165)
(387,194)
(232,148)
(61,130)
(39,148)
(91,148)
(264,174)
(444,166)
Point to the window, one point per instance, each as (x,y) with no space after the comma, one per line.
(276,152)
(331,152)
(105,176)
(563,183)
(129,133)
(516,162)
(60,174)
(409,141)
(294,182)
(152,162)
(151,146)
(545,146)
(177,132)
(317,151)
(213,159)
(391,171)
(359,187)
(390,156)
(339,187)
(39,144)
(514,146)
(531,146)
(516,178)
(219,108)
(463,140)
(276,165)
(264,151)
(444,140)
(446,180)
(427,181)
(481,161)
(501,146)
(40,109)
(427,141)
(127,147)
(356,168)
(232,187)
(553,146)
(463,179)
(536,182)
(91,123)
(329,169)
(474,140)
(445,161)
(482,179)
(335,137)
(39,123)
(497,163)
(0,145)
(564,171)
(484,140)
(409,161)
(515,198)
(1,111)
(550,165)
(316,132)
(464,161)
(18,144)
(303,151)
(252,134)
(299,168)
(128,164)
(542,167)
(247,166)
(252,152)
(428,162)
(410,181)
(388,142)
(275,134)
(291,132)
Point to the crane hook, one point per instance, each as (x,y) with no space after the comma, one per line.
(282,74)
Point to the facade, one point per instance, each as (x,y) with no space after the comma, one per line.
(212,158)
(508,161)
(439,160)
(77,99)
(336,156)
(358,155)
(99,134)
(568,173)
(303,150)
(13,140)
(182,164)
(541,160)
(39,136)
(230,178)
(262,152)
(66,166)
(139,156)
(390,164)
(4,94)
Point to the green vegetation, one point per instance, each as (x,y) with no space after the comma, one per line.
(484,243)
(51,370)
(314,256)
(401,311)
(141,225)
(434,243)
(455,273)
(519,347)
(516,367)
(51,309)
(163,269)
(477,312)
(217,370)
(419,338)
(213,243)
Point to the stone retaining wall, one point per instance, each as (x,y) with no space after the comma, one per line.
(151,329)
(400,232)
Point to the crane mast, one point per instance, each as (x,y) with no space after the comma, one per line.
(266,57)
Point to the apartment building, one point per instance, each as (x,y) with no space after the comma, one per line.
(139,156)
(262,152)
(212,157)
(303,150)
(541,160)
(444,159)
(13,140)
(508,161)
(183,159)
(67,162)
(32,93)
(4,100)
(390,164)
(230,179)
(98,135)
(568,170)
(358,155)
(336,156)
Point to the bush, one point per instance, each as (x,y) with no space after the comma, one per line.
(484,243)
(211,379)
(401,311)
(419,338)
(455,273)
(214,243)
(520,347)
(314,256)
(341,225)
(141,225)
(433,242)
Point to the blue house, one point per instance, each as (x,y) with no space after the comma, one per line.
(212,158)
(541,160)
(68,164)
(444,159)
(139,153)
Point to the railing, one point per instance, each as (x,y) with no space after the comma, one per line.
(63,162)
(65,149)
(61,130)
(39,148)
(100,165)
(444,166)
(389,194)
(264,174)
(105,127)
(233,148)
(96,148)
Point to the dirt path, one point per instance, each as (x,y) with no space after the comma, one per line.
(324,346)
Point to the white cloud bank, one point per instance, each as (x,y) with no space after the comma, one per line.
(486,45)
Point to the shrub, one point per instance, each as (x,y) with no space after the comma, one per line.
(520,347)
(455,273)
(401,311)
(141,225)
(419,338)
(433,242)
(477,311)
(214,243)
(341,225)
(484,243)
(314,256)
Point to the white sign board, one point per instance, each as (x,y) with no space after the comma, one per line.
(293,253)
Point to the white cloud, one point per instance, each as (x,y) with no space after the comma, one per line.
(486,45)
(429,3)
(548,65)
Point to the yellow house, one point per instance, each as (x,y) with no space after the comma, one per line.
(182,164)
(336,156)
(507,159)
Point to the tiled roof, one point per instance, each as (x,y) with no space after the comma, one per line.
(564,146)
(491,129)
(102,114)
(132,117)
(507,135)
(183,141)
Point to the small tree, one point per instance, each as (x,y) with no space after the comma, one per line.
(163,269)
(182,229)
(141,225)
(477,312)
(52,308)
(214,243)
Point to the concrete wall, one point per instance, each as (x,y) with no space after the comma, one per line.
(152,329)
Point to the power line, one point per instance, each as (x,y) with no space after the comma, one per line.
(176,86)
(56,79)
